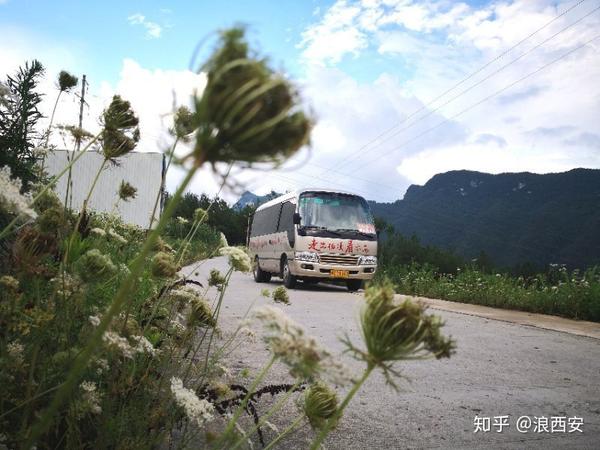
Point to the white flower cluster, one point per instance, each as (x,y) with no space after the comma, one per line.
(238,258)
(15,350)
(11,199)
(91,396)
(181,220)
(142,345)
(289,342)
(66,285)
(197,410)
(116,236)
(94,320)
(98,232)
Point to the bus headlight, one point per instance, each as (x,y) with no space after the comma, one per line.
(367,260)
(307,256)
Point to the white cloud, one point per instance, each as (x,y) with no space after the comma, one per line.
(435,46)
(153,30)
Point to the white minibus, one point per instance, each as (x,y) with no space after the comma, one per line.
(313,235)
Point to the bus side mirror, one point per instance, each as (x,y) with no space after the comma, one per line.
(297,219)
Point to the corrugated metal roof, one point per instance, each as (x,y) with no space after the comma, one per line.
(144,171)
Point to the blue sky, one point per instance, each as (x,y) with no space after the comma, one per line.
(371,71)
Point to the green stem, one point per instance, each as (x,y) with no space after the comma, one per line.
(82,212)
(121,296)
(53,181)
(285,432)
(238,412)
(276,407)
(333,420)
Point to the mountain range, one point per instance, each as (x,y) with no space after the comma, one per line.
(513,217)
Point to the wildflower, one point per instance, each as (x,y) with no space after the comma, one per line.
(143,345)
(102,366)
(163,265)
(91,397)
(183,296)
(66,285)
(95,266)
(9,283)
(280,295)
(197,410)
(119,343)
(94,320)
(116,236)
(265,293)
(121,133)
(200,313)
(11,199)
(15,350)
(220,389)
(320,404)
(184,124)
(238,258)
(394,332)
(126,191)
(66,81)
(98,232)
(289,342)
(233,121)
(216,278)
(200,215)
(181,220)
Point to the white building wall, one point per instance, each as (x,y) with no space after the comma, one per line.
(144,171)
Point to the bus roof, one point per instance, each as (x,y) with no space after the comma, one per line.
(294,194)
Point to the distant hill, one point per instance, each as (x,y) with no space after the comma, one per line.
(513,217)
(250,199)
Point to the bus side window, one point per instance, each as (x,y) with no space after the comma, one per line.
(286,221)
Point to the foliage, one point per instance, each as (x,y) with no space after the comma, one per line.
(572,294)
(232,223)
(19,115)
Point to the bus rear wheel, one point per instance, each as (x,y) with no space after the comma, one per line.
(289,280)
(260,276)
(353,285)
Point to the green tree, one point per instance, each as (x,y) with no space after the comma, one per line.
(19,115)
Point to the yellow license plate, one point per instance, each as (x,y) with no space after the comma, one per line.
(339,274)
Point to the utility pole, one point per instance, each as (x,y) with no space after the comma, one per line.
(81,103)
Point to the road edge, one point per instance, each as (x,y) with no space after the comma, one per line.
(544,321)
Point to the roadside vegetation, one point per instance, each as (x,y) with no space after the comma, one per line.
(427,271)
(105,343)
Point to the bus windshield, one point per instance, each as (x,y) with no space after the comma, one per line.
(335,212)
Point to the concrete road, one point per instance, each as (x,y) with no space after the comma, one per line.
(500,369)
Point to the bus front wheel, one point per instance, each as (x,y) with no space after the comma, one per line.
(289,280)
(260,276)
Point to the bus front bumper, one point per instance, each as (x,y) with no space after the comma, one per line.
(332,271)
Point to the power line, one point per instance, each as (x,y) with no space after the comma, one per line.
(358,151)
(487,98)
(430,112)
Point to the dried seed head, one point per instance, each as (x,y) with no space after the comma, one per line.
(238,258)
(95,266)
(398,331)
(121,132)
(126,191)
(66,81)
(163,265)
(280,295)
(247,113)
(216,278)
(184,123)
(9,283)
(200,313)
(200,215)
(320,404)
